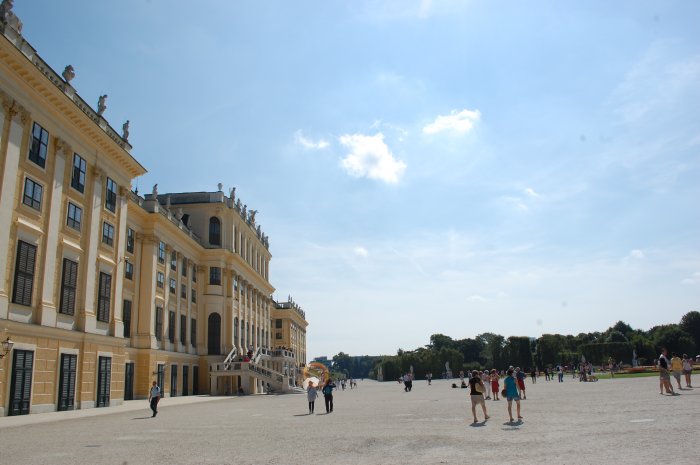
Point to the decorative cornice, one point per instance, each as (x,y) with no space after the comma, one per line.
(63,146)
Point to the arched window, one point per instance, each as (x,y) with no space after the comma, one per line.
(214,332)
(214,231)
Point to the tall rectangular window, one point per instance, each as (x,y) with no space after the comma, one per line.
(160,280)
(194,273)
(130,236)
(24,273)
(173,260)
(126,317)
(75,216)
(77,180)
(32,194)
(215,275)
(104,379)
(161,252)
(193,332)
(128,270)
(183,329)
(39,146)
(69,285)
(159,323)
(183,291)
(171,326)
(104,297)
(111,195)
(172,286)
(194,296)
(107,234)
(184,266)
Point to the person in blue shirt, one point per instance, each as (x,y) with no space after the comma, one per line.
(328,395)
(511,394)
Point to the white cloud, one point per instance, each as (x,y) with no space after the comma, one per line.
(692,280)
(531,192)
(636,254)
(477,298)
(360,251)
(458,121)
(370,157)
(308,143)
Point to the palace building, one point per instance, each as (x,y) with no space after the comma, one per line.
(103,291)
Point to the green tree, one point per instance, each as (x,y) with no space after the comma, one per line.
(471,350)
(690,323)
(519,352)
(440,341)
(493,353)
(673,338)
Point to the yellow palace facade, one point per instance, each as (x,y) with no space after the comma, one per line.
(103,290)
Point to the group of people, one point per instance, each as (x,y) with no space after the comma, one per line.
(676,367)
(513,390)
(327,391)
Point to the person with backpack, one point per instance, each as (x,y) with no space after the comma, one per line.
(328,395)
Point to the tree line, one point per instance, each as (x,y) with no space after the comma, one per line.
(490,350)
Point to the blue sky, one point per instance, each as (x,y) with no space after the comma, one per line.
(421,166)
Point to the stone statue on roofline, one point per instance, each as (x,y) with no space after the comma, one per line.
(7,16)
(244,212)
(68,73)
(155,190)
(251,217)
(238,205)
(125,130)
(232,194)
(101,104)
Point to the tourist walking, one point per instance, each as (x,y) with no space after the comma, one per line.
(486,379)
(676,369)
(328,395)
(511,393)
(687,369)
(476,393)
(154,398)
(520,378)
(311,394)
(664,376)
(494,383)
(560,373)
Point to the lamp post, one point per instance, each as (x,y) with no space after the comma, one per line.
(6,347)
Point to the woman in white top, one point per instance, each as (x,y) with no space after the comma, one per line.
(311,395)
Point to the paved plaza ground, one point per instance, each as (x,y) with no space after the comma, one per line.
(620,421)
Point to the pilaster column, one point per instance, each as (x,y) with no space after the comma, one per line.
(145,322)
(47,309)
(120,244)
(16,120)
(88,321)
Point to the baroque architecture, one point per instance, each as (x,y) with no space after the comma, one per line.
(103,290)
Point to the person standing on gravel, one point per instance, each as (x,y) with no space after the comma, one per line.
(511,393)
(687,369)
(328,395)
(476,394)
(664,376)
(676,368)
(154,398)
(311,394)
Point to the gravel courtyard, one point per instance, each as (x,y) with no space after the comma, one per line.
(620,421)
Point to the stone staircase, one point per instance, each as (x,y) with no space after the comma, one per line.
(279,382)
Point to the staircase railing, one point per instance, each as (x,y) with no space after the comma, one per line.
(230,357)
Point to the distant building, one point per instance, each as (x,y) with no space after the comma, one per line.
(103,290)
